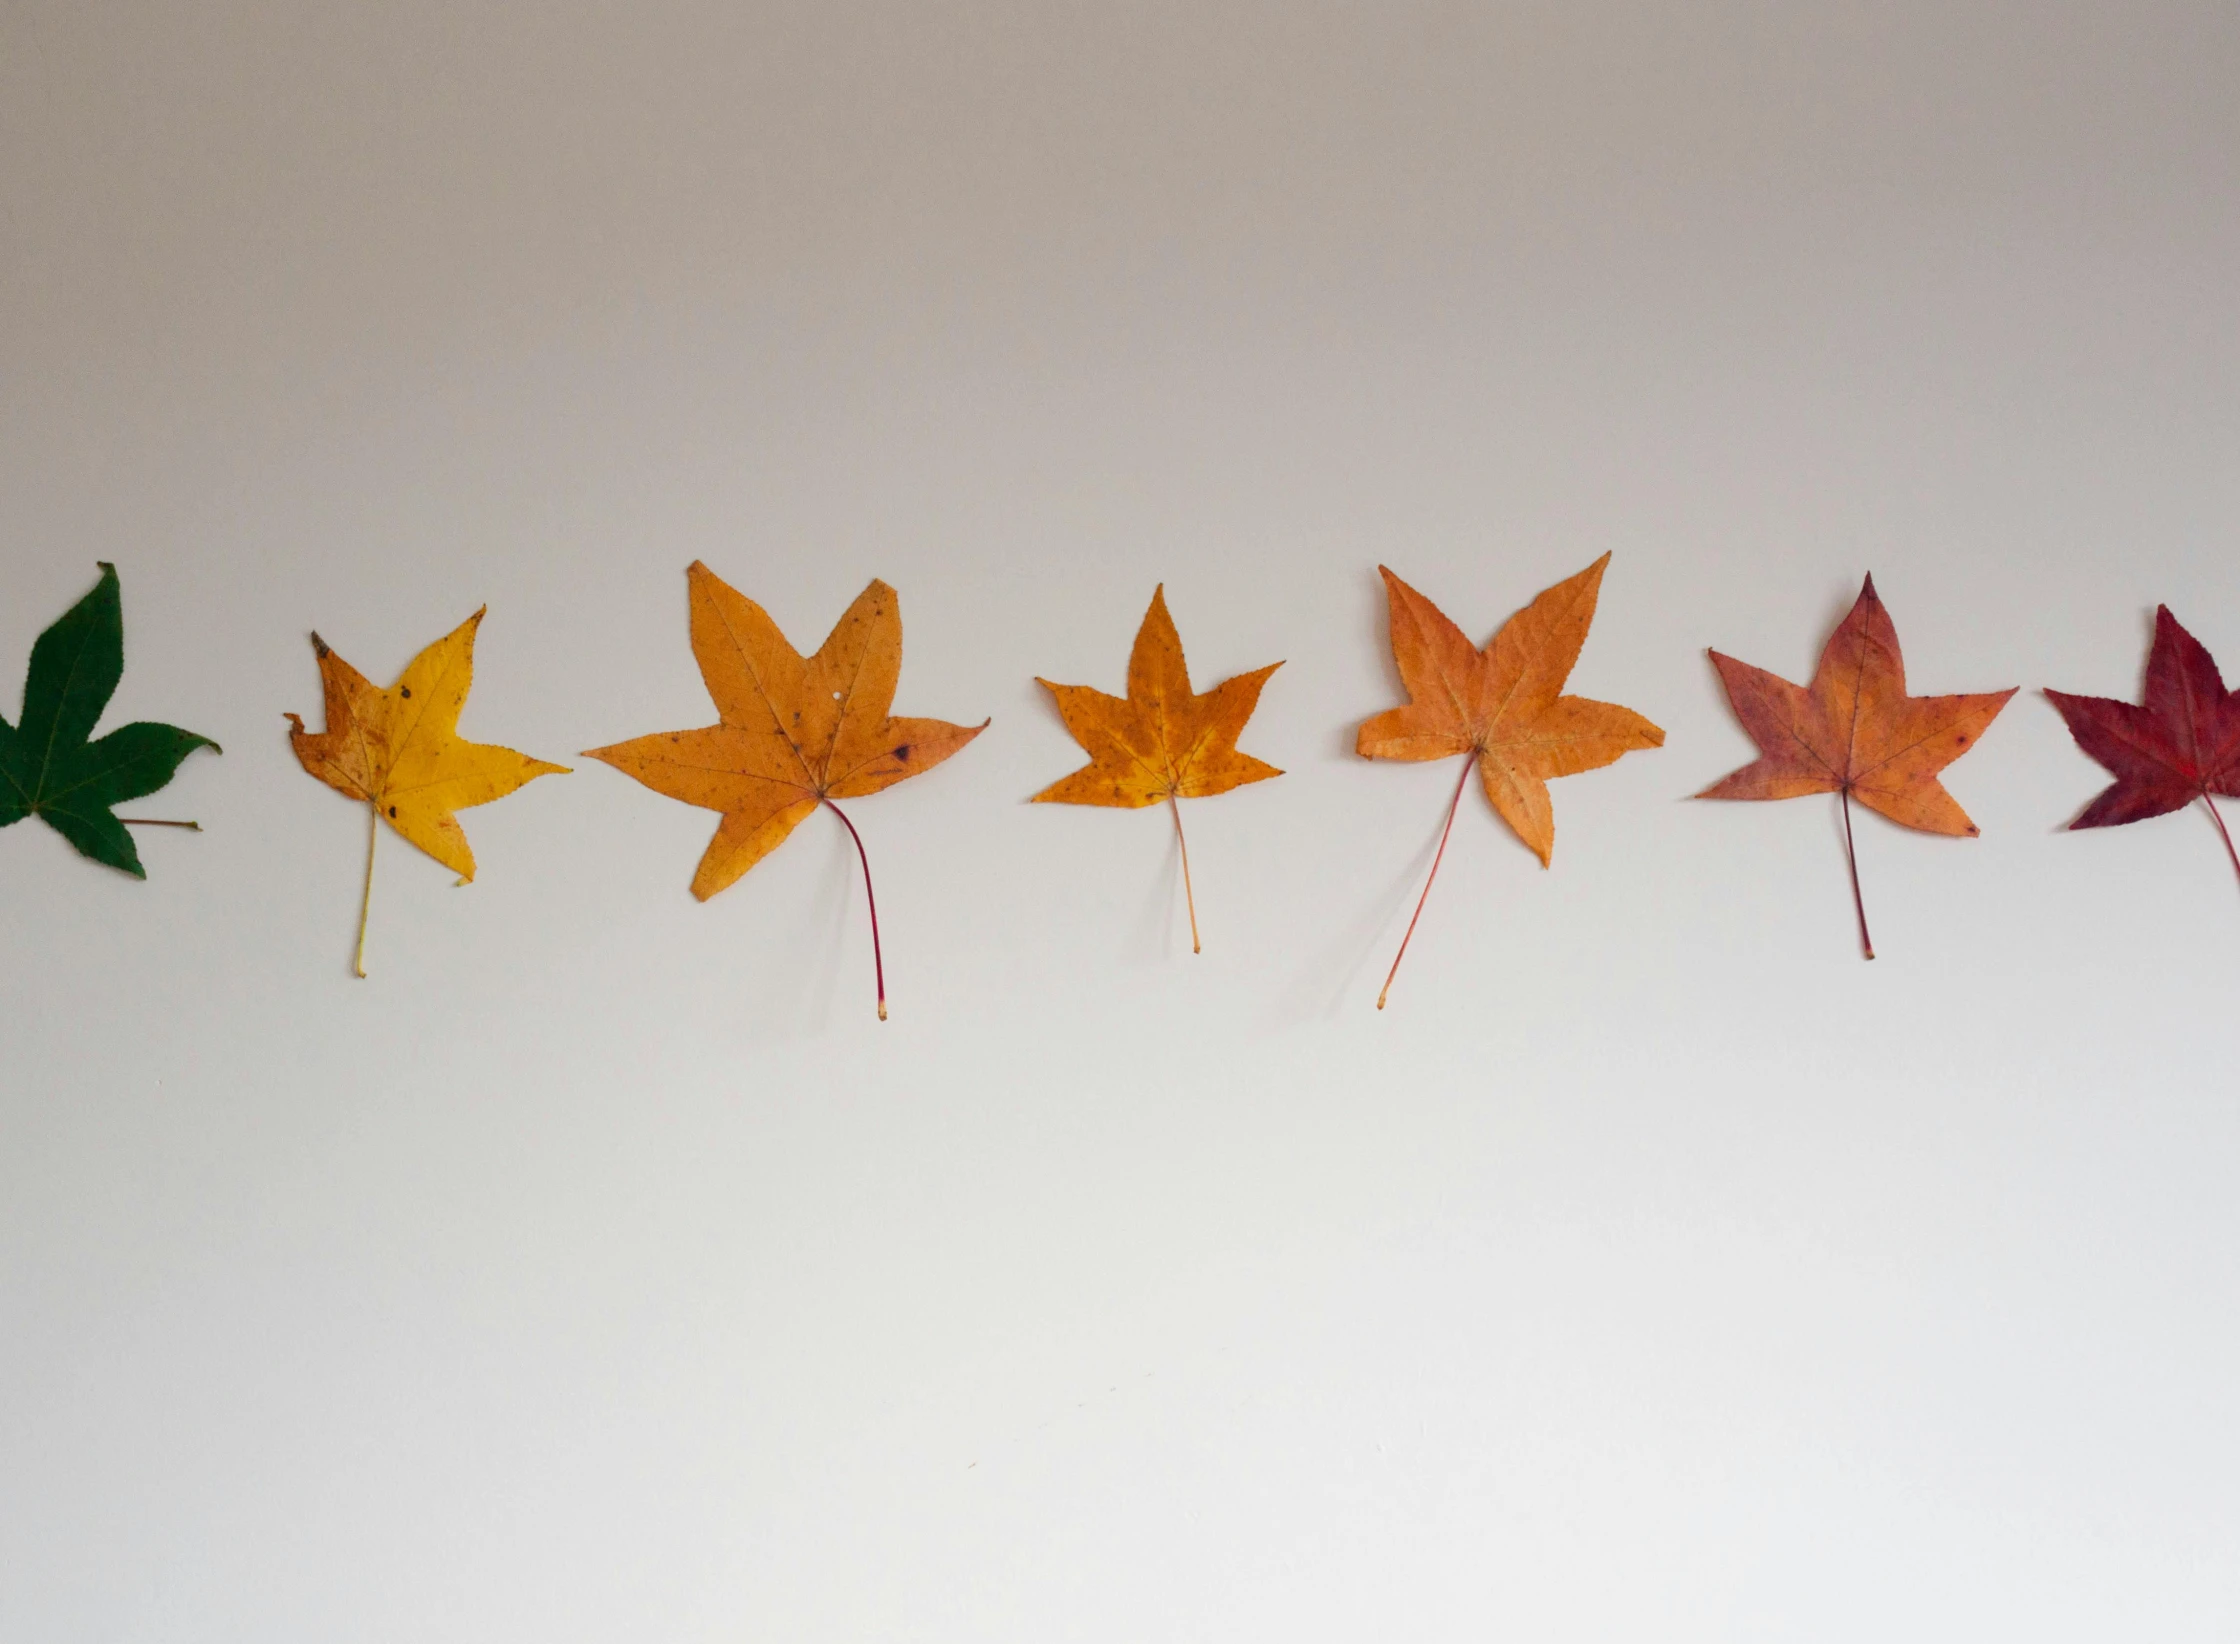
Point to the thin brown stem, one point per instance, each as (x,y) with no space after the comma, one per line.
(1851,855)
(365,902)
(1188,895)
(1439,856)
(157,822)
(878,962)
(2221,832)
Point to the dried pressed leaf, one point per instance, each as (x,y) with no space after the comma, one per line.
(1853,731)
(1162,742)
(793,732)
(399,751)
(2180,743)
(1503,707)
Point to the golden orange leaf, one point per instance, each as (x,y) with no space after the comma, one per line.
(1503,706)
(399,751)
(1162,741)
(793,732)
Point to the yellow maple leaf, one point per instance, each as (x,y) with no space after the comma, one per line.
(400,753)
(1161,742)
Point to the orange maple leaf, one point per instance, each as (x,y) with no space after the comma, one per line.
(1504,707)
(794,732)
(1854,731)
(399,751)
(1161,741)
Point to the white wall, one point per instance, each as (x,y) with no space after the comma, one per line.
(601,1269)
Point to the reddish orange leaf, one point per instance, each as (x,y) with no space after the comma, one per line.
(1854,731)
(1503,707)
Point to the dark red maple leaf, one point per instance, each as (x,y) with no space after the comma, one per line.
(2179,744)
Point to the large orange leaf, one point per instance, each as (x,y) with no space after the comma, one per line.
(399,751)
(794,732)
(1503,707)
(1853,731)
(1161,742)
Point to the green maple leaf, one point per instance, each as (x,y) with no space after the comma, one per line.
(49,769)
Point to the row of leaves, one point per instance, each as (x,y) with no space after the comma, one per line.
(798,733)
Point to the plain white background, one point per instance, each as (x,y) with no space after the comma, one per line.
(601,1269)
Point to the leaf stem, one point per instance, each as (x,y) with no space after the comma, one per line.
(157,822)
(1188,895)
(1468,766)
(878,962)
(365,902)
(1851,855)
(2222,833)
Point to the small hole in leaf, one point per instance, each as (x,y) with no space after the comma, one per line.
(836,696)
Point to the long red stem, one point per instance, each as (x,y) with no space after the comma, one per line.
(878,963)
(1851,854)
(2227,837)
(1439,856)
(1188,895)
